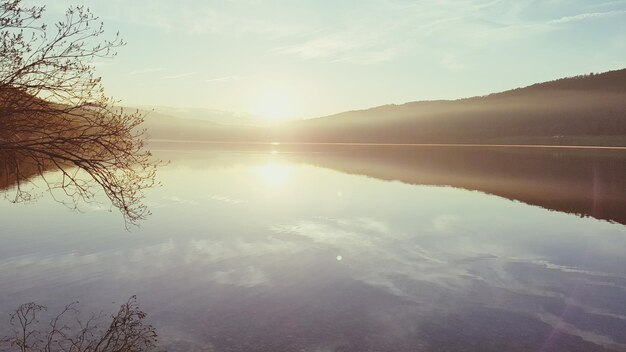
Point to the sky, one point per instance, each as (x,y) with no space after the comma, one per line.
(287,59)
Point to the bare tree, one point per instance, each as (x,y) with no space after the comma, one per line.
(67,332)
(54,113)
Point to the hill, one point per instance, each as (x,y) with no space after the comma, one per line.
(162,126)
(588,109)
(207,115)
(582,110)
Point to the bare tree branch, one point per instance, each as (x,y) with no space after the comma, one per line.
(66,332)
(54,113)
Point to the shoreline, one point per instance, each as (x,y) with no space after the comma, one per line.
(363,144)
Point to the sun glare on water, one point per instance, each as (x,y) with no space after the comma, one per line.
(273,174)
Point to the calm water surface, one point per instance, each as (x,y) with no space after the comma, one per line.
(277,249)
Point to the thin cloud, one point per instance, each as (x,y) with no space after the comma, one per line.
(585,16)
(452,62)
(349,46)
(147,70)
(326,47)
(225,199)
(179,200)
(186,74)
(199,18)
(609,3)
(224,79)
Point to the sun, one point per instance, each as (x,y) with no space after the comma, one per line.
(274,106)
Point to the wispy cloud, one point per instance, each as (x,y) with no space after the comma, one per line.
(452,62)
(179,200)
(225,199)
(147,70)
(181,75)
(586,16)
(224,79)
(320,48)
(195,17)
(389,29)
(352,46)
(609,3)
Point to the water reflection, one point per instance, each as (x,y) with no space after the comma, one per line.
(273,174)
(584,182)
(16,169)
(321,260)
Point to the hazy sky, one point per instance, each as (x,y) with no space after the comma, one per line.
(309,58)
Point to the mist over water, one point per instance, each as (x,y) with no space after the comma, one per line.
(292,248)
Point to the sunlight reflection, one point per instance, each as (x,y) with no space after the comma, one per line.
(273,174)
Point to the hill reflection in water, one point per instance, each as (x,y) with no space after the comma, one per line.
(587,183)
(267,248)
(576,181)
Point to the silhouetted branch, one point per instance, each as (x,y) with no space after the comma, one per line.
(54,113)
(66,332)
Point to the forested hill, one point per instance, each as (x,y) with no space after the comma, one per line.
(578,110)
(612,81)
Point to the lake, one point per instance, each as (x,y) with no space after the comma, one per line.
(346,248)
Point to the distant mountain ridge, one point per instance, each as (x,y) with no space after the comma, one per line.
(207,115)
(581,110)
(581,106)
(161,126)
(614,81)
